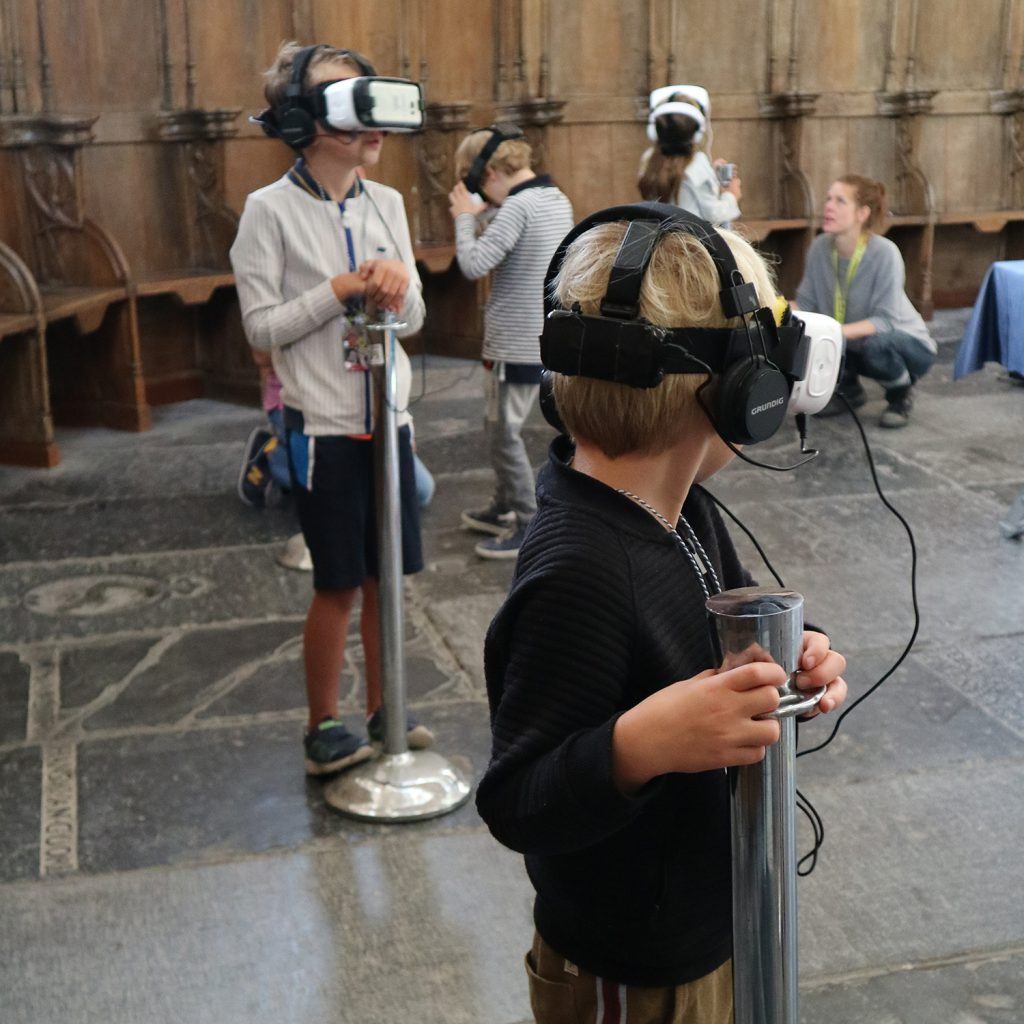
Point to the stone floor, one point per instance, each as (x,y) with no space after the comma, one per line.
(164,859)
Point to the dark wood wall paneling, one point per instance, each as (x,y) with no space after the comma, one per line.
(123,133)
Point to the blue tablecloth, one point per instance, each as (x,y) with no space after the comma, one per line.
(995,333)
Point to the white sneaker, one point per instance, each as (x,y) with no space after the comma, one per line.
(296,555)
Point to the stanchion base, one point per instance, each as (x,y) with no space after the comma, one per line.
(399,787)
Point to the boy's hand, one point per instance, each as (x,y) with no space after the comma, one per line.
(460,200)
(821,666)
(346,286)
(698,725)
(387,281)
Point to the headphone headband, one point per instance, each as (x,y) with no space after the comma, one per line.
(499,133)
(738,297)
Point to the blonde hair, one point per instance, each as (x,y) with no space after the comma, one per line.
(680,289)
(511,156)
(278,76)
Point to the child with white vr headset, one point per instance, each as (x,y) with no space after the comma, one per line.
(313,250)
(611,718)
(677,169)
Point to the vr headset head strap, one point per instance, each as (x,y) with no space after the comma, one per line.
(499,133)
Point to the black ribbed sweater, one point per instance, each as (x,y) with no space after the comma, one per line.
(603,611)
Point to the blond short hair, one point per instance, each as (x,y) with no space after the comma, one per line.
(680,289)
(511,156)
(278,76)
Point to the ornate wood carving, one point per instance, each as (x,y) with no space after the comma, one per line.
(435,155)
(211,222)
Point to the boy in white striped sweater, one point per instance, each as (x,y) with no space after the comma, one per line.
(312,247)
(532,217)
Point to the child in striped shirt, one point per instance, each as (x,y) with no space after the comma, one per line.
(532,217)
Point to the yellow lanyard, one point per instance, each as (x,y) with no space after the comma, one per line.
(842,290)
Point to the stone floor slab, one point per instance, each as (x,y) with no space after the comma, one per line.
(20,793)
(915,867)
(983,991)
(71,600)
(14,684)
(421,926)
(196,796)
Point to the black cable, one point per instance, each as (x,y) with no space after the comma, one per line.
(818,828)
(913,586)
(750,536)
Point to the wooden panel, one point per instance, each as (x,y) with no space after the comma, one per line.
(960,46)
(841,47)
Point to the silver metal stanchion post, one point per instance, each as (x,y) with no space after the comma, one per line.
(402,784)
(752,622)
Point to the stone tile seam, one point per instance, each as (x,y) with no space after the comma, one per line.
(264,718)
(419,608)
(981,956)
(175,553)
(153,632)
(319,847)
(71,723)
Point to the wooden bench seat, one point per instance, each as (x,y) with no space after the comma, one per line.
(193,286)
(759,230)
(17,323)
(987,221)
(87,305)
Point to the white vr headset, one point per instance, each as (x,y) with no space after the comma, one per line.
(698,94)
(811,392)
(372,104)
(691,101)
(364,104)
(687,109)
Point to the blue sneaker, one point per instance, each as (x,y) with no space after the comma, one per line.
(418,736)
(254,477)
(330,747)
(504,547)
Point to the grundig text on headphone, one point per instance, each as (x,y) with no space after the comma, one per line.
(367,103)
(499,133)
(762,371)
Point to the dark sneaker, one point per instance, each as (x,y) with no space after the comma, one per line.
(505,546)
(417,735)
(489,520)
(855,395)
(330,747)
(253,476)
(897,415)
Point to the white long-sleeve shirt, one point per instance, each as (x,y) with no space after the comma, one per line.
(289,245)
(701,193)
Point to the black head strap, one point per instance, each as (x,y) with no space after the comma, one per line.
(622,297)
(737,296)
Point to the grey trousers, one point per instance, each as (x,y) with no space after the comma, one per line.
(507,406)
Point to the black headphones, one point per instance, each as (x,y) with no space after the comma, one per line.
(755,365)
(499,133)
(294,121)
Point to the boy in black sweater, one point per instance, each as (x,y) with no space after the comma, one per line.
(611,725)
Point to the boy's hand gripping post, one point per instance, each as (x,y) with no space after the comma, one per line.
(759,624)
(402,784)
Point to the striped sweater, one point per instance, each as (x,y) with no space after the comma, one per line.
(290,243)
(517,246)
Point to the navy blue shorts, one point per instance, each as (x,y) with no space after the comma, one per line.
(334,489)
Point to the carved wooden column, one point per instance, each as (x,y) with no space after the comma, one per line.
(209,223)
(1010,104)
(914,207)
(444,127)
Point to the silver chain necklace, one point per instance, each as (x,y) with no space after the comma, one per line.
(694,551)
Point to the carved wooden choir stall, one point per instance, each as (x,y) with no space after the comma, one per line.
(126,155)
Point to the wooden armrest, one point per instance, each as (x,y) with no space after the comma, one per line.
(435,258)
(759,230)
(88,306)
(987,221)
(17,323)
(192,286)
